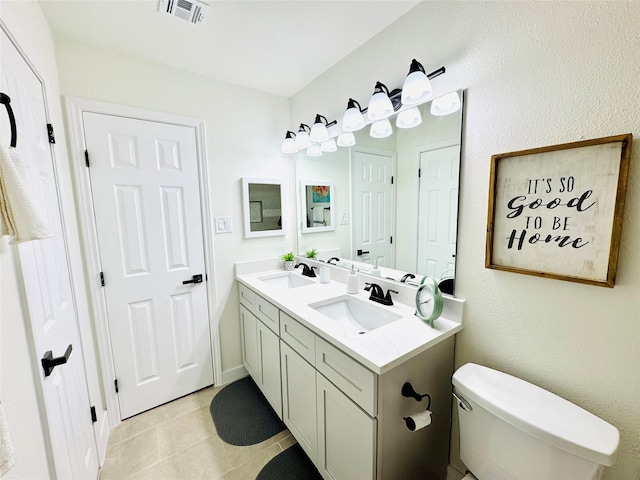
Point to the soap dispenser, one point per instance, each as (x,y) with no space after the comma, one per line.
(352,281)
(375,272)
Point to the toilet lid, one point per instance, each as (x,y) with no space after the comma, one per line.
(539,413)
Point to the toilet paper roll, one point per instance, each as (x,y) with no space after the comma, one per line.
(418,421)
(325,275)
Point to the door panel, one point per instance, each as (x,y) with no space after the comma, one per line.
(144,180)
(47,279)
(438,207)
(373,207)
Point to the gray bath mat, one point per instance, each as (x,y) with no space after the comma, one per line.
(292,464)
(242,416)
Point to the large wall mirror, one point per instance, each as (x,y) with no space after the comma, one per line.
(400,202)
(262,205)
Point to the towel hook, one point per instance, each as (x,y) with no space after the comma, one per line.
(6,100)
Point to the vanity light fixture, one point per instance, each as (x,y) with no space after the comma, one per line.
(380,105)
(446,104)
(416,90)
(289,143)
(314,150)
(381,129)
(319,132)
(302,138)
(346,139)
(417,87)
(409,118)
(329,145)
(352,119)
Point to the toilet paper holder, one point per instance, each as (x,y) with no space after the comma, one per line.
(409,392)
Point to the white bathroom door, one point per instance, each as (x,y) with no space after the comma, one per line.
(373,200)
(144,180)
(438,207)
(47,279)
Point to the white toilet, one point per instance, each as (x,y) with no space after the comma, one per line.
(511,429)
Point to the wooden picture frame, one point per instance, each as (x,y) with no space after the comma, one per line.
(557,211)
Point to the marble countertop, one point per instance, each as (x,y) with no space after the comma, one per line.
(380,349)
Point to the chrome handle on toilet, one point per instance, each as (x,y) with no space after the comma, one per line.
(462,402)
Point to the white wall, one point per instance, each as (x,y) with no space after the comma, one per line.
(19,365)
(244,128)
(535,74)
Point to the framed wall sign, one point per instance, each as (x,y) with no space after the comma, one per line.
(557,211)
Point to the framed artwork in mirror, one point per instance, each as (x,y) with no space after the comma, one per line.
(557,211)
(317,206)
(263,207)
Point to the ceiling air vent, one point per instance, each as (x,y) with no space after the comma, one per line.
(191,11)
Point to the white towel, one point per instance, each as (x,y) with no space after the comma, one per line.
(6,449)
(318,215)
(20,215)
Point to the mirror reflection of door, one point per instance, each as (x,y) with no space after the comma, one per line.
(318,206)
(438,207)
(265,209)
(373,207)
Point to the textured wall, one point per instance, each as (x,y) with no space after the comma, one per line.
(535,74)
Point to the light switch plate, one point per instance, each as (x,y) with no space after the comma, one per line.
(344,218)
(223,224)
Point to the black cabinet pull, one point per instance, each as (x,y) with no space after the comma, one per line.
(49,362)
(194,279)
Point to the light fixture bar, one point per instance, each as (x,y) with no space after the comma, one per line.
(312,137)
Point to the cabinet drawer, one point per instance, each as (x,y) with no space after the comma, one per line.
(356,381)
(268,313)
(300,338)
(247,297)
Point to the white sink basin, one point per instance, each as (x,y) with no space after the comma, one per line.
(286,280)
(354,314)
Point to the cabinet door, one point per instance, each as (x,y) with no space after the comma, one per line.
(346,435)
(299,399)
(269,353)
(248,329)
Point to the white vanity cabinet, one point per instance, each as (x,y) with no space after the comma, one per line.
(299,399)
(261,345)
(347,418)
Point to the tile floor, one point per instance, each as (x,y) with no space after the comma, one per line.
(179,441)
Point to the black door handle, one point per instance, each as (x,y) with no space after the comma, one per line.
(194,279)
(361,252)
(49,362)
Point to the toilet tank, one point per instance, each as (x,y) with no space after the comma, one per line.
(516,430)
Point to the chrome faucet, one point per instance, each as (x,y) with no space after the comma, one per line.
(307,271)
(377,294)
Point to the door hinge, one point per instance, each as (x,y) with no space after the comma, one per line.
(94,415)
(419,172)
(391,179)
(102,279)
(86,158)
(52,138)
(391,239)
(115,382)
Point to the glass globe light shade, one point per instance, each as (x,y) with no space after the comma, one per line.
(409,118)
(314,150)
(346,139)
(446,104)
(381,129)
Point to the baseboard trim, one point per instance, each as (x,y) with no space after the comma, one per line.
(233,374)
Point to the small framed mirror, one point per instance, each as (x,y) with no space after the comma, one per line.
(262,201)
(317,206)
